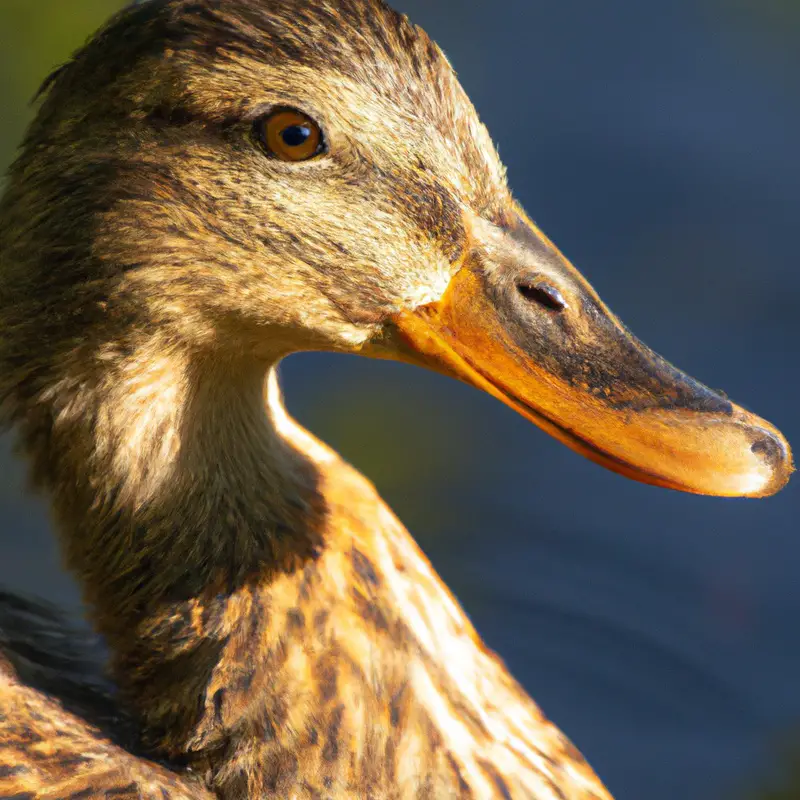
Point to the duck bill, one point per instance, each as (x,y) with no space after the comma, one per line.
(519,322)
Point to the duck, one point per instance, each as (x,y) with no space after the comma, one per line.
(206,189)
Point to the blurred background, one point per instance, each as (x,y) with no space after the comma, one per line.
(656,142)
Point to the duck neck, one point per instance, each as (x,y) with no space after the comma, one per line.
(268,638)
(172,485)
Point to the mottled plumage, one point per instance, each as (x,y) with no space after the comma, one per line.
(63,734)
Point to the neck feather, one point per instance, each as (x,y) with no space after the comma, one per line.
(168,475)
(172,483)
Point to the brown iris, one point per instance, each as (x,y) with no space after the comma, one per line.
(290,135)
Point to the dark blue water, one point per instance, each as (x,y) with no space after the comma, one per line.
(657,143)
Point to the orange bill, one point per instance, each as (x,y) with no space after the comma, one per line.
(518,321)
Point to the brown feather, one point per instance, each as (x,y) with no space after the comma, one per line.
(61,732)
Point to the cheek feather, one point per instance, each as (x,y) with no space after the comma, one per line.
(430,286)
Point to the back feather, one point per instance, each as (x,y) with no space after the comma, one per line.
(62,734)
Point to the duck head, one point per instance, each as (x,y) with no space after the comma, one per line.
(255,178)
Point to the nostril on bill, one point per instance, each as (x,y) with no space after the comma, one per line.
(770,449)
(542,293)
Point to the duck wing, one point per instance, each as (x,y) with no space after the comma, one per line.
(61,732)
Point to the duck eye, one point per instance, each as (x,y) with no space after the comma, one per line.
(289,135)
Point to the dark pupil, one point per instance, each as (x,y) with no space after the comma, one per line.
(295,135)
